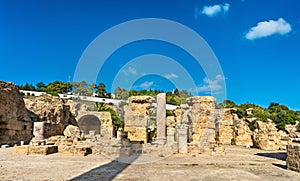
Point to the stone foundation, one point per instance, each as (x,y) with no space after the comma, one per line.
(76,150)
(35,150)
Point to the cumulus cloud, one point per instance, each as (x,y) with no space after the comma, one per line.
(268,28)
(171,76)
(211,85)
(214,10)
(146,85)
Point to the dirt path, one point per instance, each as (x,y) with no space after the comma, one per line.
(237,164)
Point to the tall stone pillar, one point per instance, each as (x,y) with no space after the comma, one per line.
(161,118)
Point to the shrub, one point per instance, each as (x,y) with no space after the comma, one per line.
(169,113)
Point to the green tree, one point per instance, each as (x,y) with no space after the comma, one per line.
(41,87)
(122,94)
(82,88)
(58,87)
(28,87)
(101,91)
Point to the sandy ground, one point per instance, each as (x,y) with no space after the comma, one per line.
(237,164)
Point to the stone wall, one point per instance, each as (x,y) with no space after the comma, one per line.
(225,126)
(293,157)
(53,111)
(137,116)
(232,130)
(106,124)
(242,133)
(15,125)
(201,118)
(200,115)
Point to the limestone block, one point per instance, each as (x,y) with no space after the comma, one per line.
(293,157)
(242,134)
(137,133)
(35,150)
(76,150)
(204,104)
(266,136)
(72,132)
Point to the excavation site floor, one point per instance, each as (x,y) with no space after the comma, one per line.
(237,164)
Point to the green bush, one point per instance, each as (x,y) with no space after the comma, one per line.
(251,125)
(169,113)
(241,113)
(53,93)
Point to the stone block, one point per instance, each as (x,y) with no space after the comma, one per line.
(35,150)
(76,150)
(182,140)
(293,157)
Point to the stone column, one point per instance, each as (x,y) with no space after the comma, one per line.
(161,118)
(182,138)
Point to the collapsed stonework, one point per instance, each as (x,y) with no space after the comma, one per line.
(242,134)
(53,111)
(235,131)
(266,136)
(232,130)
(15,124)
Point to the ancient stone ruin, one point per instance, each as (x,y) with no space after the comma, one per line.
(136,118)
(47,124)
(293,157)
(15,124)
(53,111)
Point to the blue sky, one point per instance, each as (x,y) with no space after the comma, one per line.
(256,44)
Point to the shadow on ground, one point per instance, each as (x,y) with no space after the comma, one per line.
(277,155)
(280,165)
(110,170)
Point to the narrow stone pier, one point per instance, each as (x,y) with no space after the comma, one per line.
(161,118)
(182,131)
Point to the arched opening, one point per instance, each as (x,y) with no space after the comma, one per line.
(89,123)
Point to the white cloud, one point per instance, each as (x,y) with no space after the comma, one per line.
(211,85)
(215,9)
(171,76)
(146,84)
(129,70)
(268,28)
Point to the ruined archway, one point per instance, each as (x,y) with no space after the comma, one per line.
(89,123)
(100,122)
